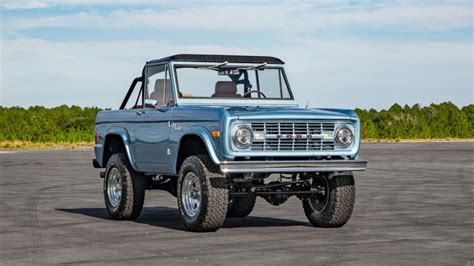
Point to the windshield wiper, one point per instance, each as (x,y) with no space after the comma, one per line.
(262,65)
(218,65)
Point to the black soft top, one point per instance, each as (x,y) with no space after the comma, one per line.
(220,58)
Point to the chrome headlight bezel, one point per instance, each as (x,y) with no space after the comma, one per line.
(239,129)
(341,133)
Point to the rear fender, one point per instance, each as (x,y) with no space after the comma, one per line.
(123,134)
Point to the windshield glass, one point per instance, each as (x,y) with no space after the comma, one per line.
(244,83)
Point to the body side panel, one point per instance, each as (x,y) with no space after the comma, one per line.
(198,121)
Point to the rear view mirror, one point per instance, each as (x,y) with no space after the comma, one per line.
(227,72)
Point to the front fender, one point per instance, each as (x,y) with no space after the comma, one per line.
(206,138)
(123,134)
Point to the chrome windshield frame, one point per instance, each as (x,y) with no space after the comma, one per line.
(227,101)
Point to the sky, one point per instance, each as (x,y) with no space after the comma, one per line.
(341,54)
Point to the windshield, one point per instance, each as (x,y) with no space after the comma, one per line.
(240,82)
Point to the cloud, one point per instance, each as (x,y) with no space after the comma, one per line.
(345,69)
(323,73)
(274,16)
(369,74)
(23,5)
(39,72)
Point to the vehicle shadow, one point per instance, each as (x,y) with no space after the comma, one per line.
(170,218)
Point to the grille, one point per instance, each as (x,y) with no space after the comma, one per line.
(292,136)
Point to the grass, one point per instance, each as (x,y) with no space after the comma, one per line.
(420,140)
(26,145)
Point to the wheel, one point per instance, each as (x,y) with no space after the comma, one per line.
(202,194)
(241,206)
(124,189)
(333,206)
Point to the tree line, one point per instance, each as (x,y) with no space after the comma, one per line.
(437,121)
(40,124)
(76,124)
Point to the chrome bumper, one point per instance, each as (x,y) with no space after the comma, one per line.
(292,166)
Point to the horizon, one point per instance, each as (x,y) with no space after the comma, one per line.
(355,54)
(366,109)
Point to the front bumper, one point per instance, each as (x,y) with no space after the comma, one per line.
(292,166)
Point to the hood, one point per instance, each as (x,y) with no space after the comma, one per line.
(290,113)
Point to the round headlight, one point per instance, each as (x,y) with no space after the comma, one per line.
(344,137)
(243,136)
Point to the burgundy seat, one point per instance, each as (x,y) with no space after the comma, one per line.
(226,89)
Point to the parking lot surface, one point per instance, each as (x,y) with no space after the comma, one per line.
(413,206)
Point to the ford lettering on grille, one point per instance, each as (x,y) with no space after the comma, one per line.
(292,136)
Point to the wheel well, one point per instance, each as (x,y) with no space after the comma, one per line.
(113,144)
(190,145)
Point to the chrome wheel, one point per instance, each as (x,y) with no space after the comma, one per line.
(114,187)
(319,201)
(191,192)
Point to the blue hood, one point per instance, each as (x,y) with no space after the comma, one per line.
(291,112)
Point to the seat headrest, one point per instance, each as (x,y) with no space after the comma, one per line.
(163,92)
(226,87)
(160,84)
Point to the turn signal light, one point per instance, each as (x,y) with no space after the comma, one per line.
(216,134)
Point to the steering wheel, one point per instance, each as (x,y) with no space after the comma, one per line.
(256,91)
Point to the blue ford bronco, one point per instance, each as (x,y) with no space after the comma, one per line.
(216,131)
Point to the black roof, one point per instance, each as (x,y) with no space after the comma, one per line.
(220,58)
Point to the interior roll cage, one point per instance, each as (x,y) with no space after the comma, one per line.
(130,90)
(241,78)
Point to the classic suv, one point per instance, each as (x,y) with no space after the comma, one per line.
(216,131)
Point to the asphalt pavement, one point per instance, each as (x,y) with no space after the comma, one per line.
(413,206)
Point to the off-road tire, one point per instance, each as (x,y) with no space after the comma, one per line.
(214,199)
(133,189)
(241,206)
(340,203)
